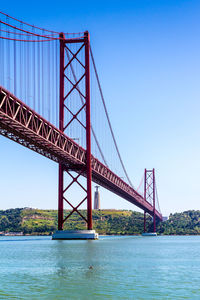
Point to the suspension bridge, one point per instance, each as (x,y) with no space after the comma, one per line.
(51,102)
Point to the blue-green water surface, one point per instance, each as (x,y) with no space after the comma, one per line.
(133,267)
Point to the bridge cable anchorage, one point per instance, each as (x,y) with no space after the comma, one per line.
(108,119)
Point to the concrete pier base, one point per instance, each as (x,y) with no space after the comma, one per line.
(75,235)
(149,234)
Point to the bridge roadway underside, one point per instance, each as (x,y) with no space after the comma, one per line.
(21,124)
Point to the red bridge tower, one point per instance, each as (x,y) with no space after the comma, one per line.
(149,194)
(66,88)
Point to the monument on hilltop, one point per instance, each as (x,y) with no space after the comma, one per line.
(97,198)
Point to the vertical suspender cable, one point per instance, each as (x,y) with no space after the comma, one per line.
(43,83)
(33,83)
(21,66)
(1,58)
(57,92)
(48,83)
(24,71)
(15,68)
(8,58)
(52,80)
(28,71)
(38,81)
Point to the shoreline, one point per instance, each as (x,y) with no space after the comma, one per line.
(25,235)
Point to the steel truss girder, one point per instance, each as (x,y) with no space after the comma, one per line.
(24,126)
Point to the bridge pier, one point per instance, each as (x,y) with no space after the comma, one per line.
(75,235)
(144,221)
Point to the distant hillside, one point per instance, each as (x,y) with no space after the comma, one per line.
(35,221)
(187,222)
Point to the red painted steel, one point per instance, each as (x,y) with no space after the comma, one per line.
(154,202)
(145,191)
(61,127)
(88,129)
(23,125)
(150,194)
(144,221)
(60,197)
(66,88)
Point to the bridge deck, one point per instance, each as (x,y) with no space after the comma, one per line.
(21,124)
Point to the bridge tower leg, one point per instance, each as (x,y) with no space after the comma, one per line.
(154,202)
(67,87)
(149,195)
(61,127)
(144,221)
(145,191)
(88,131)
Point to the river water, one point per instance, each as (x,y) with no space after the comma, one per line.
(130,267)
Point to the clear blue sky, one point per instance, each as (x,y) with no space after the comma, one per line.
(148,57)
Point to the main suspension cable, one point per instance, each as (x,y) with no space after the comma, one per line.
(157,199)
(36,27)
(139,186)
(108,119)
